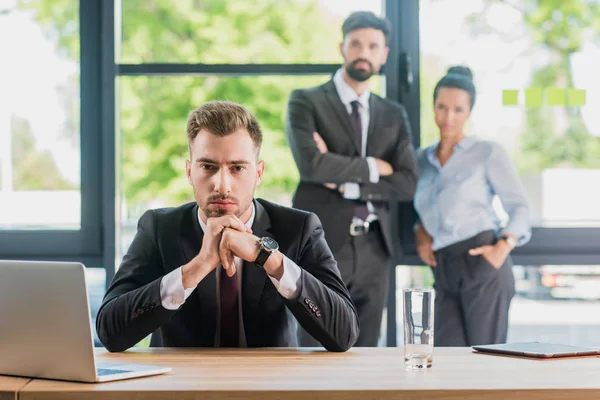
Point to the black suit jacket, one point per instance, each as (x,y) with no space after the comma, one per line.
(169,238)
(321,110)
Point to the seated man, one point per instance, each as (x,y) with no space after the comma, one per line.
(223,271)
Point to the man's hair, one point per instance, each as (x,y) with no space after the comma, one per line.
(222,118)
(366,19)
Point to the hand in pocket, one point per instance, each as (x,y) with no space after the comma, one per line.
(495,254)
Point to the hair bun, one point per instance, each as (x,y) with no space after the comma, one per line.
(461,70)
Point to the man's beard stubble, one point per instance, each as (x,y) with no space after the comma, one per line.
(220,212)
(360,75)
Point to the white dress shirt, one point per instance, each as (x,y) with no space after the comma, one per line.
(347,96)
(173,295)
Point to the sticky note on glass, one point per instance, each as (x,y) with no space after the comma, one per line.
(575,97)
(556,96)
(533,97)
(510,97)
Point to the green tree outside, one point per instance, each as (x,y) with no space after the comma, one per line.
(153,110)
(33,169)
(558,30)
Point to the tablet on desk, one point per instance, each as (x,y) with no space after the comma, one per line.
(538,350)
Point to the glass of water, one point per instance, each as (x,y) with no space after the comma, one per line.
(418,327)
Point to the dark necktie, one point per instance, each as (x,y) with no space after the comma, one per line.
(360,211)
(230,321)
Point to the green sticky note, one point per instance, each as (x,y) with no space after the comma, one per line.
(556,96)
(510,97)
(576,97)
(533,97)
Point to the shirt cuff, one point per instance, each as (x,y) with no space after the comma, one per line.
(287,286)
(522,236)
(373,170)
(351,191)
(416,226)
(172,293)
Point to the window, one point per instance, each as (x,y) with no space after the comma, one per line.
(157,47)
(531,62)
(234,32)
(49,135)
(49,161)
(39,121)
(158,44)
(58,112)
(534,94)
(553,304)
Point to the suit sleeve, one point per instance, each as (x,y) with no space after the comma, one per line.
(323,307)
(132,309)
(314,166)
(402,184)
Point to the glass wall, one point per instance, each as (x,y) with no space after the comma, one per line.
(554,304)
(537,95)
(39,116)
(533,63)
(153,109)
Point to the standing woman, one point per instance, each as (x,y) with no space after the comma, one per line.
(459,234)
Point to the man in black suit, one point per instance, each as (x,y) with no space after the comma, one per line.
(354,153)
(225,270)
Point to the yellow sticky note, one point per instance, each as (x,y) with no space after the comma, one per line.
(556,96)
(533,97)
(510,97)
(575,97)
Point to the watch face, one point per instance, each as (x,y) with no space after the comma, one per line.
(270,244)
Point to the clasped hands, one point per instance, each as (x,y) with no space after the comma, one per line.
(224,238)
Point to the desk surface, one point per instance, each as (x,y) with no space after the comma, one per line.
(9,386)
(457,373)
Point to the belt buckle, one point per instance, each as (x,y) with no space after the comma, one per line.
(359,228)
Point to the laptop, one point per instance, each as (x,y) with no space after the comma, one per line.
(45,325)
(537,350)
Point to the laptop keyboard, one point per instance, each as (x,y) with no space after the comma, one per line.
(106,371)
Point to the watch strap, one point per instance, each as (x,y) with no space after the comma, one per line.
(263,256)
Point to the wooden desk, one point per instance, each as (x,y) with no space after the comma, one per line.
(10,386)
(361,373)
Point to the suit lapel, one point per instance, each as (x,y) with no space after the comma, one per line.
(342,113)
(254,278)
(191,241)
(191,234)
(374,117)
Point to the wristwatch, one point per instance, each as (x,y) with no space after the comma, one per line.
(512,243)
(267,247)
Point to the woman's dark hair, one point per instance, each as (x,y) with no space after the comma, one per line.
(457,77)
